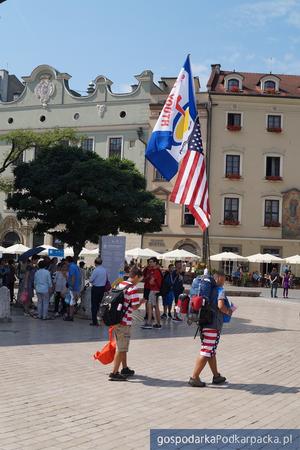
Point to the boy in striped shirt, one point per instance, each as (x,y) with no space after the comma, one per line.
(132,302)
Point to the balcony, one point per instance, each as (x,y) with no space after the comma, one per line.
(274,129)
(234,127)
(273,178)
(233,176)
(270,91)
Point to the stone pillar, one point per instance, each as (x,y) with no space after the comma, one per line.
(5,315)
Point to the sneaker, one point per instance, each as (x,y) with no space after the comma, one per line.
(196,382)
(127,372)
(177,319)
(163,316)
(146,326)
(157,325)
(218,379)
(117,377)
(68,319)
(170,316)
(56,314)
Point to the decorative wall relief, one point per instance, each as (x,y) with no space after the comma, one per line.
(44,90)
(291,214)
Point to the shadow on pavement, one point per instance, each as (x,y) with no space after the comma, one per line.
(29,331)
(255,389)
(260,389)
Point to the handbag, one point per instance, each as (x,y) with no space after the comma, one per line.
(107,354)
(24,297)
(107,286)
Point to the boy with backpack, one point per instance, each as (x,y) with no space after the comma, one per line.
(210,332)
(122,330)
(155,279)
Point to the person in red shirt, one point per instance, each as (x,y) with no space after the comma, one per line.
(153,281)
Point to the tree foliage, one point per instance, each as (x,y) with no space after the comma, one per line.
(21,140)
(85,195)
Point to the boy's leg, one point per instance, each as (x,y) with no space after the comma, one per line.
(124,360)
(213,365)
(45,305)
(201,362)
(117,361)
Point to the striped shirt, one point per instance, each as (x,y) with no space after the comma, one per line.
(131,298)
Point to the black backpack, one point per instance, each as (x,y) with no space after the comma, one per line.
(112,308)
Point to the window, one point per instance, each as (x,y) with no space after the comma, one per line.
(269,85)
(232,166)
(158,176)
(188,218)
(273,167)
(10,238)
(231,211)
(271,213)
(274,123)
(234,121)
(37,239)
(115,147)
(88,144)
(36,151)
(233,84)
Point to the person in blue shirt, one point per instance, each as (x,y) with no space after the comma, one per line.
(73,283)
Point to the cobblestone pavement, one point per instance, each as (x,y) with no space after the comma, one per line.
(54,396)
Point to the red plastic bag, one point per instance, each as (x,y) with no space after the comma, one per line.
(107,353)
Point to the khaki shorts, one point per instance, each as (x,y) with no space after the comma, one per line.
(153,297)
(122,333)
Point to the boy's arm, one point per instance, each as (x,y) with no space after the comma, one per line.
(223,308)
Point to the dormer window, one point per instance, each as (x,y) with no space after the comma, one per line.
(269,84)
(233,85)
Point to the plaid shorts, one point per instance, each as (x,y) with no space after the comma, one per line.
(209,342)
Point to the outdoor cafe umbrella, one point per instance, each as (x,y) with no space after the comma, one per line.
(142,253)
(266,258)
(89,252)
(16,249)
(293,259)
(227,256)
(179,254)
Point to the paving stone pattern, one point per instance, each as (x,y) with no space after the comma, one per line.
(54,396)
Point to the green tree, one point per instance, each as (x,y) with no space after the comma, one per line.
(79,196)
(21,140)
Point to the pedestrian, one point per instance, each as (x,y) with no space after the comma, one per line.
(60,287)
(178,288)
(166,292)
(155,278)
(53,267)
(4,269)
(82,276)
(286,284)
(274,280)
(43,287)
(73,288)
(210,335)
(26,285)
(98,280)
(122,331)
(11,278)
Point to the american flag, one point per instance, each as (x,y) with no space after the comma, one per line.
(191,187)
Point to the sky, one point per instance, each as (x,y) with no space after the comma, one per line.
(121,38)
